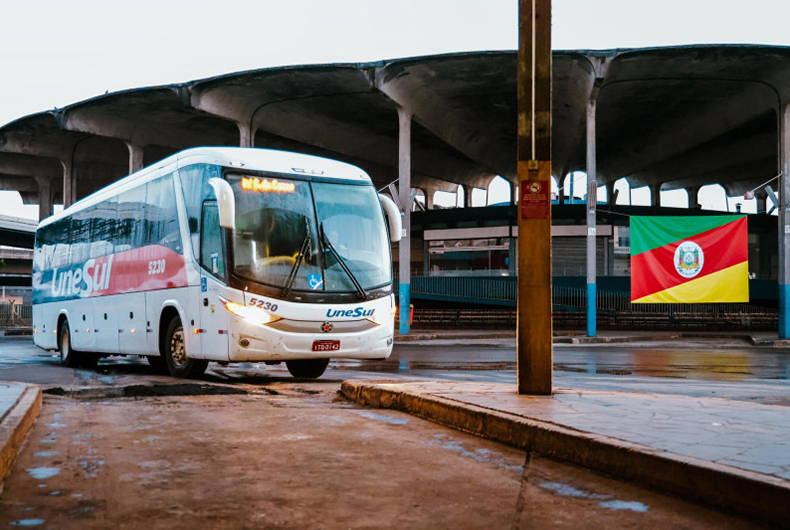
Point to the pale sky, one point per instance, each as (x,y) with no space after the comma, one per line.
(57,52)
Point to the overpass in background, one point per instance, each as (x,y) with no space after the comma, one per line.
(17,232)
(668,118)
(16,263)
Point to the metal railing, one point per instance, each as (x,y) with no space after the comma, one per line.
(16,315)
(504,290)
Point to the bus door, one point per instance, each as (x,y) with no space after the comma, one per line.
(213,274)
(132,321)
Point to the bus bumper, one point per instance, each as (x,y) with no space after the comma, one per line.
(259,343)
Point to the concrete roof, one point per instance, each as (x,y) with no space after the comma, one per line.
(679,116)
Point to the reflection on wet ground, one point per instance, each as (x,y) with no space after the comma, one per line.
(735,372)
(715,365)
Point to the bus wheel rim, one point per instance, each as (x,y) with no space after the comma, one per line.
(177,350)
(65,345)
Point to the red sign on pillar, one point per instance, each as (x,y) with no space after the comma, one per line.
(535,199)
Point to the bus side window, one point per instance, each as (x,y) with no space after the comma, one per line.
(196,189)
(211,250)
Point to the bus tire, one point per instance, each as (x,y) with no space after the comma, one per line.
(307,368)
(178,364)
(68,355)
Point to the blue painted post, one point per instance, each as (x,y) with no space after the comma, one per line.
(404,309)
(591,310)
(784,314)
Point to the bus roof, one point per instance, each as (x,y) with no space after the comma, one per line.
(241,158)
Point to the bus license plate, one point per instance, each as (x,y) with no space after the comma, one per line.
(326,345)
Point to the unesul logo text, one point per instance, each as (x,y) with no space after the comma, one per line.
(82,282)
(358,312)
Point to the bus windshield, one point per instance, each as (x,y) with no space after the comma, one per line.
(294,234)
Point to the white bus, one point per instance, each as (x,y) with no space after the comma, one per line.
(221,254)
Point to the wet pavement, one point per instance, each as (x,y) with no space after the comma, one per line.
(709,449)
(715,408)
(294,455)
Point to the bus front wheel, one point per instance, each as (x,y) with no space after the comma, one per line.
(178,364)
(307,368)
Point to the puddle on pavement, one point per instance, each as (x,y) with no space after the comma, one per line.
(566,490)
(43,473)
(623,505)
(369,414)
(183,389)
(28,522)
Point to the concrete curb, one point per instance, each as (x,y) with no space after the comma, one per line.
(16,424)
(616,339)
(453,336)
(759,497)
(777,343)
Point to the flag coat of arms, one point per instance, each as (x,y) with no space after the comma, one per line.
(689,259)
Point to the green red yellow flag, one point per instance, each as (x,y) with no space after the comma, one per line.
(689,259)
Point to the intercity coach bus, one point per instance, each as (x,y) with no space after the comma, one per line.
(221,254)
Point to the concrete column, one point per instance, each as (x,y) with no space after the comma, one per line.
(655,194)
(69,188)
(429,198)
(571,192)
(135,157)
(404,187)
(693,192)
(784,224)
(467,195)
(563,198)
(44,197)
(761,197)
(246,135)
(592,229)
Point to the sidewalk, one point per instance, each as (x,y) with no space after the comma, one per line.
(731,455)
(19,406)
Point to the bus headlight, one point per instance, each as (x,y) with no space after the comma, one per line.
(384,318)
(249,313)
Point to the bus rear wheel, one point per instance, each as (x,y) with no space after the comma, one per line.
(71,357)
(307,368)
(178,364)
(68,355)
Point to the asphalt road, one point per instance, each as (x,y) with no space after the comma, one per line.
(247,446)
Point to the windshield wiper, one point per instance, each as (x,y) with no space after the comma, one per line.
(303,250)
(326,243)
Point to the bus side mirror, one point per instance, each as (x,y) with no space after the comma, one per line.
(393,217)
(226,202)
